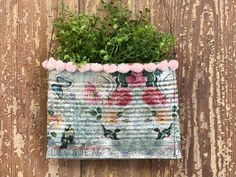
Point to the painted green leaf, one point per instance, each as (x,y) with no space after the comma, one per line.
(174,108)
(174,115)
(99,110)
(119,114)
(93,112)
(50,112)
(177,111)
(53,134)
(158,72)
(99,117)
(154,113)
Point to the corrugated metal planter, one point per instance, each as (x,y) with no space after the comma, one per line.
(117,116)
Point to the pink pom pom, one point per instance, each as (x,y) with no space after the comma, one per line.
(123,68)
(44,64)
(150,67)
(84,68)
(51,65)
(136,67)
(162,65)
(60,65)
(96,67)
(70,67)
(110,68)
(173,64)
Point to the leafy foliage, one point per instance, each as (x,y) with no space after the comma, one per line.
(113,37)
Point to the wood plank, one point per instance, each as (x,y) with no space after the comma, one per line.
(205,56)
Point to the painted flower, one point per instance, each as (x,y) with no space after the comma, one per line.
(153,96)
(105,83)
(136,79)
(121,97)
(162,118)
(110,117)
(91,93)
(54,121)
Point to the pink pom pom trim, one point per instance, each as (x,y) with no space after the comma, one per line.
(52,64)
(109,68)
(70,67)
(60,65)
(173,64)
(136,67)
(123,68)
(162,65)
(84,68)
(96,67)
(150,67)
(44,64)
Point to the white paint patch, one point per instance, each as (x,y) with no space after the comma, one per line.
(18,141)
(53,169)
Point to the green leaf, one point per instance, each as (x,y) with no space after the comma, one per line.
(99,110)
(50,112)
(119,114)
(99,117)
(174,115)
(102,52)
(158,72)
(178,111)
(53,134)
(115,26)
(106,57)
(154,113)
(93,112)
(174,108)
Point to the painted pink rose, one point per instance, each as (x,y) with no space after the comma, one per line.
(136,79)
(153,96)
(91,93)
(121,97)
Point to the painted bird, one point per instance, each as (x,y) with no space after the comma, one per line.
(67,137)
(110,134)
(164,133)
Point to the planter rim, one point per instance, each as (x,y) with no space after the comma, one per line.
(52,64)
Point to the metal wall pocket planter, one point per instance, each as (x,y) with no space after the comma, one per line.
(100,115)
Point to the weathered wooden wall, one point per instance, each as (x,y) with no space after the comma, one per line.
(206,48)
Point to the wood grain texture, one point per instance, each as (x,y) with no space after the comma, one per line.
(206,49)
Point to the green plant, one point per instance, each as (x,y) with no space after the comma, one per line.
(114,37)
